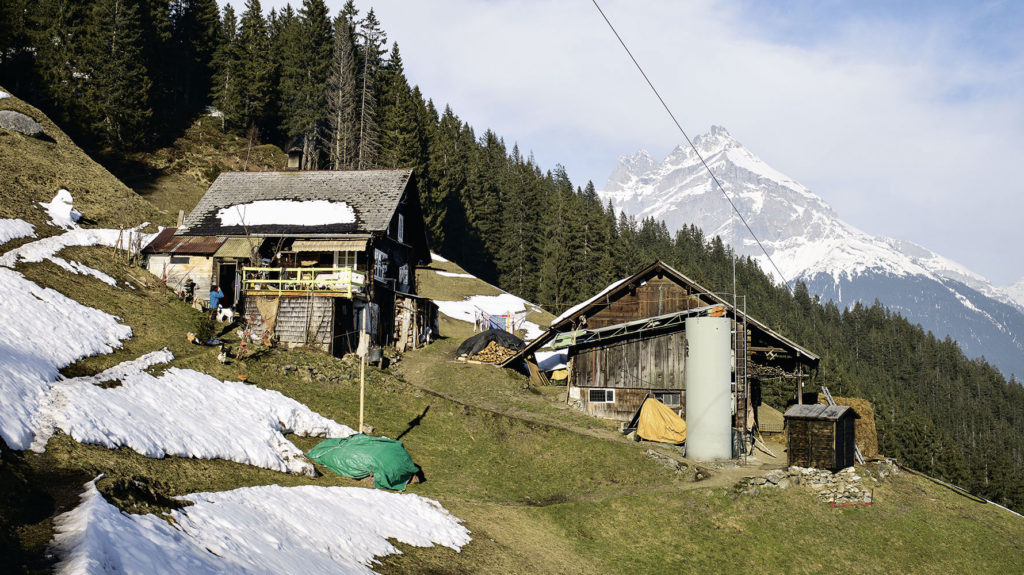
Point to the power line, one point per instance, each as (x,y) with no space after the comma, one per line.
(690,142)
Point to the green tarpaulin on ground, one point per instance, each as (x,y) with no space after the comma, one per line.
(357,456)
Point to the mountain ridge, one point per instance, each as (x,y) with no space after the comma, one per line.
(809,242)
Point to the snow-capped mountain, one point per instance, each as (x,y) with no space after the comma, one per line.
(809,242)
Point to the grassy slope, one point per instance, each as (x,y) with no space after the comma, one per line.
(543,489)
(32,170)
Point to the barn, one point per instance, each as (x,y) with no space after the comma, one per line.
(629,340)
(316,257)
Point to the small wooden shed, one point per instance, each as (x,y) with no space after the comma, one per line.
(821,436)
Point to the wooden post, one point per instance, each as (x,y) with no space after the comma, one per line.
(800,385)
(363,347)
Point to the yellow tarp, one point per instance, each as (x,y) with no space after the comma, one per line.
(659,423)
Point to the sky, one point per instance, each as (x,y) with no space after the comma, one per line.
(906,117)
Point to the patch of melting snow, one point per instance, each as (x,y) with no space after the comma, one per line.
(14,228)
(268,529)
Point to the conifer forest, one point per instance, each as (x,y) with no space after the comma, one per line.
(124,75)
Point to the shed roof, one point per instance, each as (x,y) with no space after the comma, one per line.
(344,245)
(373,195)
(819,411)
(238,248)
(167,243)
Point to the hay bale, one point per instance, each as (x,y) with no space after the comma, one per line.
(867,434)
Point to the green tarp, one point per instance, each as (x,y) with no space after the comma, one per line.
(357,456)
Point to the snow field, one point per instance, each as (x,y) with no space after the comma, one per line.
(14,228)
(270,529)
(41,330)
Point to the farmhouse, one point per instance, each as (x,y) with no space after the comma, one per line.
(630,340)
(312,257)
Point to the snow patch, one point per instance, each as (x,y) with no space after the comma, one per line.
(41,331)
(270,529)
(61,210)
(437,258)
(287,213)
(13,228)
(576,308)
(186,414)
(455,275)
(465,310)
(552,360)
(4,95)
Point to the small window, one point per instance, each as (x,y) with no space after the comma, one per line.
(401,228)
(602,396)
(179,259)
(670,399)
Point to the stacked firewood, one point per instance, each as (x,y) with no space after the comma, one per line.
(493,353)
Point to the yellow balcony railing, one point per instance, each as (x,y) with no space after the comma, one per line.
(341,281)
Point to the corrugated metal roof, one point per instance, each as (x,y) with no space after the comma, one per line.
(238,247)
(818,411)
(372,194)
(349,245)
(168,243)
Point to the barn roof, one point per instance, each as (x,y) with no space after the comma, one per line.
(819,411)
(565,322)
(370,196)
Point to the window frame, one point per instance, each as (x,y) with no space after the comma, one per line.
(609,395)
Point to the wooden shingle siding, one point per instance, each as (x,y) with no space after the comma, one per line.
(641,363)
(300,321)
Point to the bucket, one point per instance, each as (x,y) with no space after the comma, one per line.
(374,355)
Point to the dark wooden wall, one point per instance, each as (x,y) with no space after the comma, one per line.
(627,401)
(658,296)
(637,363)
(823,444)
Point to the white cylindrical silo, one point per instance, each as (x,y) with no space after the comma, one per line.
(707,373)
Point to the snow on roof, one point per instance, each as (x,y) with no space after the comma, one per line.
(267,529)
(13,228)
(287,213)
(576,308)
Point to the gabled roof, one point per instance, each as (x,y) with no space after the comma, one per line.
(373,196)
(167,243)
(819,411)
(591,306)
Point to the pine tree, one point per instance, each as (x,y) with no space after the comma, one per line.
(371,49)
(341,97)
(225,90)
(62,54)
(16,50)
(399,144)
(119,86)
(255,67)
(196,37)
(305,65)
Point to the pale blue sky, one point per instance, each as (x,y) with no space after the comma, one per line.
(907,117)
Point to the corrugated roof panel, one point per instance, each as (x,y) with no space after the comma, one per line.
(238,247)
(166,243)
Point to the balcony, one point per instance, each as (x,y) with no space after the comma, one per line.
(329,282)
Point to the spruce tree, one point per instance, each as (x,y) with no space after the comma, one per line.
(119,87)
(196,37)
(399,145)
(305,65)
(342,125)
(255,68)
(225,90)
(371,49)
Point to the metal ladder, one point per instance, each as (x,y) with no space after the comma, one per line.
(856,449)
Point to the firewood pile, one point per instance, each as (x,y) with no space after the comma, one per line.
(493,353)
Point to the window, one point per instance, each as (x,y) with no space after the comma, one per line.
(668,398)
(401,228)
(345,259)
(179,259)
(601,396)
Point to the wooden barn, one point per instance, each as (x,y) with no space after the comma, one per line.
(629,340)
(318,256)
(178,259)
(821,436)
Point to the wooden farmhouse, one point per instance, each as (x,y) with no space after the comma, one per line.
(821,436)
(630,340)
(311,257)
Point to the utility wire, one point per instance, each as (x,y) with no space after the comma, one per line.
(690,142)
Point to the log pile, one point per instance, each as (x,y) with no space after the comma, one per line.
(493,353)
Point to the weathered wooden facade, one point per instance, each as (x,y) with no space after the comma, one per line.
(821,436)
(629,340)
(176,260)
(318,256)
